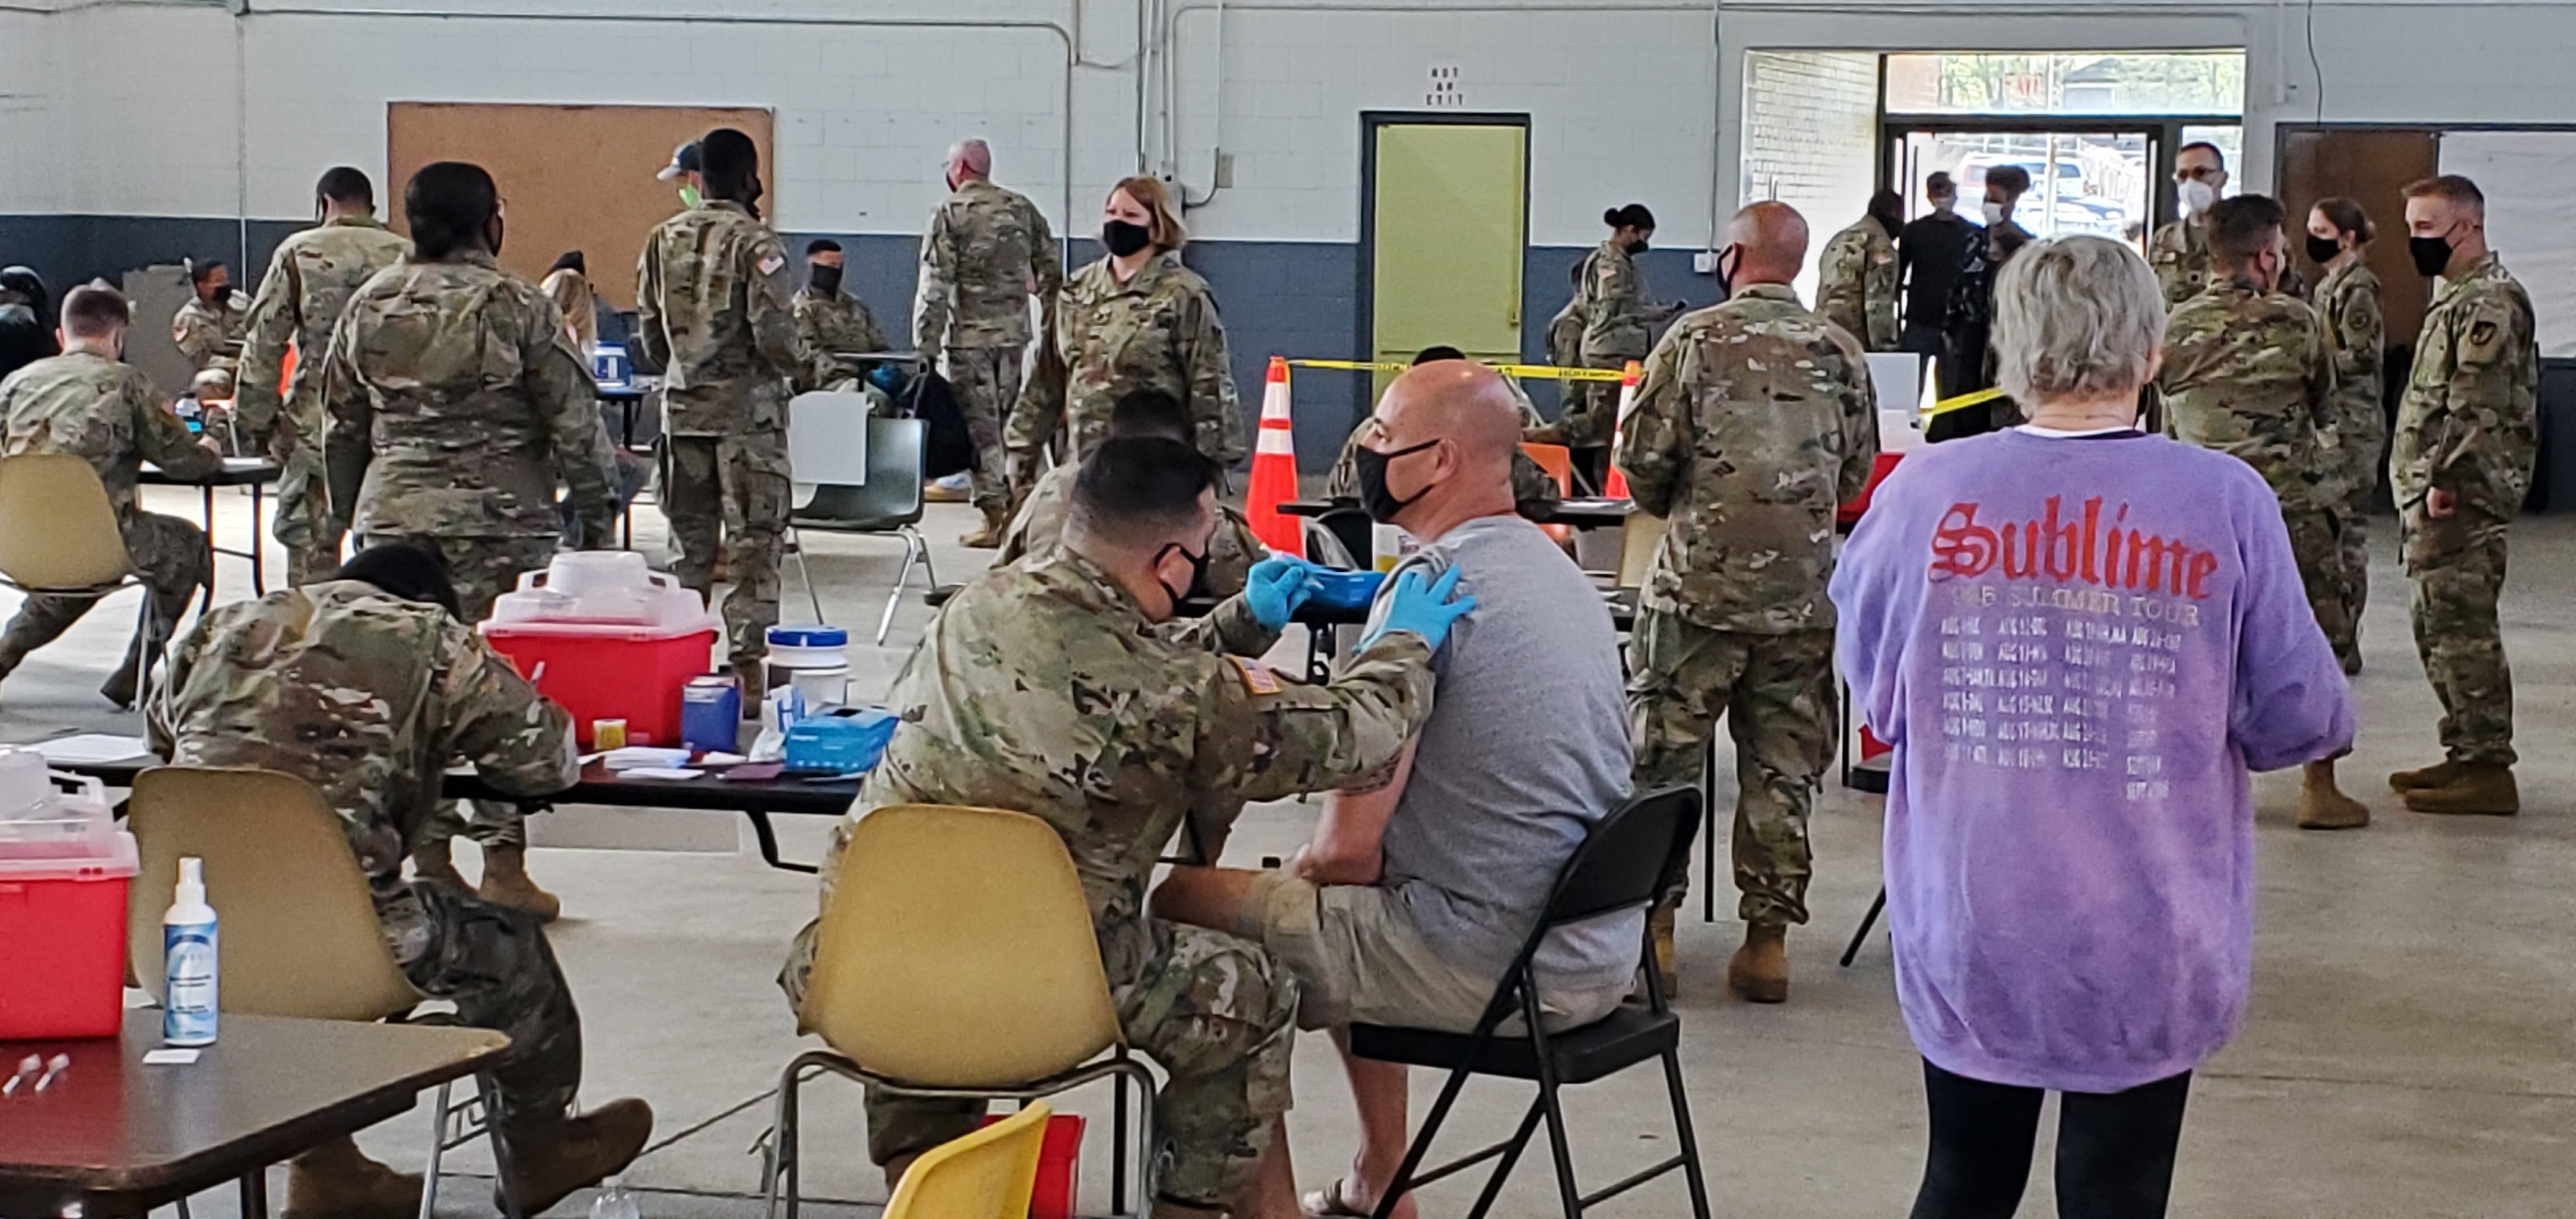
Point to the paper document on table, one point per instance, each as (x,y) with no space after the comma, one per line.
(674,773)
(89,748)
(169,1058)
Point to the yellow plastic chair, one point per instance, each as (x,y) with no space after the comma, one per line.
(58,534)
(986,1175)
(300,936)
(957,960)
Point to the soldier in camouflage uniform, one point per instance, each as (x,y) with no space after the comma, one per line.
(455,404)
(299,300)
(1534,491)
(1856,274)
(1618,326)
(366,687)
(713,308)
(1038,527)
(87,404)
(2348,302)
(1060,687)
(2179,250)
(2461,461)
(986,253)
(1136,319)
(2247,372)
(208,328)
(830,322)
(1754,422)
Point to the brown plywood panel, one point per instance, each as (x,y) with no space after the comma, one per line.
(571,177)
(2370,165)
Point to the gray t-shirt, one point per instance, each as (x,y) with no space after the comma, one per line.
(1526,748)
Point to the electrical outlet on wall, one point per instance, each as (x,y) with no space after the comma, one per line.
(1704,262)
(1224,169)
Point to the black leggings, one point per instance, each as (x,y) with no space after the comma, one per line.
(2115,1151)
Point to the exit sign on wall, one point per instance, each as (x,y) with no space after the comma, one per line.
(1444,94)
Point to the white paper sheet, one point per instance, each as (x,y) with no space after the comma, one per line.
(92,747)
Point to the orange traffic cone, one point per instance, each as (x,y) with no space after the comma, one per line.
(1274,470)
(1617,485)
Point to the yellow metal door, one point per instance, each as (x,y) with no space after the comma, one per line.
(1449,228)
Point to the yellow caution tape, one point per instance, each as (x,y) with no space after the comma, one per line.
(1964,401)
(1543,372)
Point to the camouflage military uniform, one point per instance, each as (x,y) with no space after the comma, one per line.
(1534,490)
(310,279)
(1754,422)
(827,326)
(455,403)
(986,252)
(1156,331)
(712,307)
(2247,372)
(1618,326)
(2467,426)
(1856,284)
(108,414)
(205,333)
(2179,252)
(1038,528)
(1043,688)
(2348,301)
(369,697)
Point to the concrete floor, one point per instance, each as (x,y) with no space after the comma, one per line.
(2409,1051)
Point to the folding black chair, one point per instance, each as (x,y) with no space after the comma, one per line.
(1635,856)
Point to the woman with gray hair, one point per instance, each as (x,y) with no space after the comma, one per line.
(2080,639)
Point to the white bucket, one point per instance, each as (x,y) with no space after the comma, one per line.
(814,659)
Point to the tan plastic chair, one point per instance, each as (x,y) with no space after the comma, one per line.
(985,1175)
(299,931)
(58,534)
(957,959)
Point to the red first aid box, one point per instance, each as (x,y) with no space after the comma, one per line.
(606,638)
(1059,1167)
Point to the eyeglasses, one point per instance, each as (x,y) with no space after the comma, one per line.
(2197,173)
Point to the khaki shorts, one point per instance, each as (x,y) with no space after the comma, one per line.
(1359,960)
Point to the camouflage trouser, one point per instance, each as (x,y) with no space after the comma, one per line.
(494,964)
(987,383)
(703,476)
(1213,1010)
(1777,694)
(2458,565)
(2355,552)
(482,569)
(1592,412)
(170,555)
(303,522)
(2316,538)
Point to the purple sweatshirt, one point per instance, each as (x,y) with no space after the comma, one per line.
(2079,648)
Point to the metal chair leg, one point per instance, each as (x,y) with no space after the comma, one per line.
(1118,1142)
(913,548)
(926,568)
(1688,1137)
(796,546)
(437,1151)
(1867,921)
(1511,1157)
(779,1173)
(501,1173)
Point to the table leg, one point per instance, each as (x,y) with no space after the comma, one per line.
(209,604)
(258,544)
(768,838)
(254,1193)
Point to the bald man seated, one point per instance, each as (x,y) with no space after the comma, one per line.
(1424,878)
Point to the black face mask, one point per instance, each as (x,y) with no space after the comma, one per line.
(1380,503)
(1726,278)
(1636,247)
(1123,238)
(2431,254)
(2322,250)
(1198,574)
(825,279)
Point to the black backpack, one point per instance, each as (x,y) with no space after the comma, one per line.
(949,448)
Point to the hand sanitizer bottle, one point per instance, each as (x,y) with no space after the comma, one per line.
(188,951)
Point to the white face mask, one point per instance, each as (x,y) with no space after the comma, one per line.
(1995,213)
(2197,196)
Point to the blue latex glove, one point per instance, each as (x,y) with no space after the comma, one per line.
(1425,612)
(1275,587)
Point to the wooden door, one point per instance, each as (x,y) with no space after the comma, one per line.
(2370,165)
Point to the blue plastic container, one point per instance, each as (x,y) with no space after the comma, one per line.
(1346,590)
(711,714)
(608,364)
(844,742)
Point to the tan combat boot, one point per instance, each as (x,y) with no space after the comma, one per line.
(506,883)
(2323,806)
(2439,774)
(1659,925)
(2483,789)
(553,1156)
(1760,969)
(996,523)
(337,1181)
(431,861)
